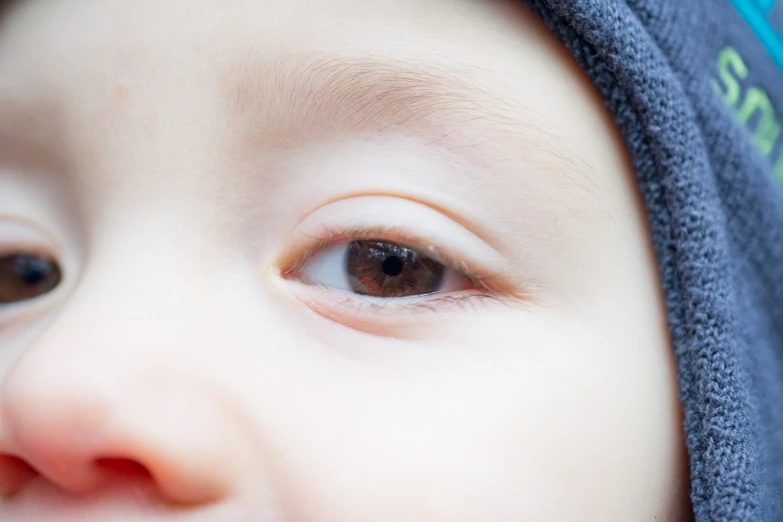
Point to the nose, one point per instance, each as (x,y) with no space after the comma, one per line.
(81,415)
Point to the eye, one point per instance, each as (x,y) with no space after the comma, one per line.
(380,269)
(26,276)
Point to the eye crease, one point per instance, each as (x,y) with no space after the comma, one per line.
(26,276)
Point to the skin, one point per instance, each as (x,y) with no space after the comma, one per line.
(183,164)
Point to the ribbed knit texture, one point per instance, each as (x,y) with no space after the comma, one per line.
(716,214)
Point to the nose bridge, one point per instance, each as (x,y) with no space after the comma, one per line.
(134,306)
(111,379)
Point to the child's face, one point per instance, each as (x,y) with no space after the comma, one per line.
(321,261)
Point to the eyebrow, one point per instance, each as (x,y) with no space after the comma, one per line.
(450,99)
(453,104)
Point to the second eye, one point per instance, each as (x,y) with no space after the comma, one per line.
(380,269)
(24,277)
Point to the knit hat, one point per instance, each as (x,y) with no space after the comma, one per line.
(696,88)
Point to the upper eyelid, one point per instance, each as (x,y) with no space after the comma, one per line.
(381,235)
(34,240)
(331,236)
(420,225)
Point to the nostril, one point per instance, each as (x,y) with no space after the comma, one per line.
(124,468)
(14,474)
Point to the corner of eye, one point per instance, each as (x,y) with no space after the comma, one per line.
(525,298)
(273,270)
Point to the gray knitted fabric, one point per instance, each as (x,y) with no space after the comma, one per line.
(696,87)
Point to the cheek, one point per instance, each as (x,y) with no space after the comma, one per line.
(609,432)
(524,418)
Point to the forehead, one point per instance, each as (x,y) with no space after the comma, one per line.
(244,45)
(213,27)
(149,91)
(81,63)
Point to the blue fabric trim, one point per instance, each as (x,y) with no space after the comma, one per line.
(755,13)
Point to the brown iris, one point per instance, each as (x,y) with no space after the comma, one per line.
(24,277)
(383,269)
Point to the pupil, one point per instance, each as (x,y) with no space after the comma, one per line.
(392,266)
(34,271)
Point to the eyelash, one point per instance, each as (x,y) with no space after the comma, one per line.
(483,283)
(414,305)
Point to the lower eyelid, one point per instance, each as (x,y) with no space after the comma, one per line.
(403,318)
(342,302)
